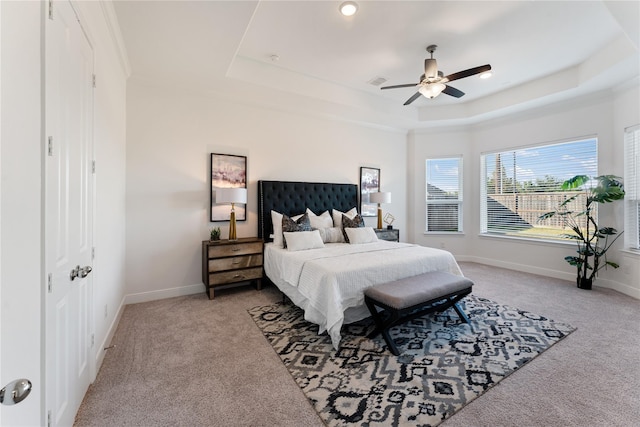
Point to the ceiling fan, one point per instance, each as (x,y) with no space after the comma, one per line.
(433,82)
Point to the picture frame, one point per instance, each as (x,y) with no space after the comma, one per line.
(226,171)
(369,183)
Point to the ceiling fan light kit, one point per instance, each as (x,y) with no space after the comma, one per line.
(431,90)
(433,82)
(348,8)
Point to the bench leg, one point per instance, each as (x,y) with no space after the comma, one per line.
(461,313)
(390,343)
(383,325)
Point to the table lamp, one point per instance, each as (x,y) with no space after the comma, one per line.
(380,197)
(233,196)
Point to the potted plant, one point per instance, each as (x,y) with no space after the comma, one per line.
(215,233)
(593,241)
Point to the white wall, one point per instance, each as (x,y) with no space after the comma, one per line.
(604,115)
(170,137)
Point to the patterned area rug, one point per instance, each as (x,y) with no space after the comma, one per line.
(445,364)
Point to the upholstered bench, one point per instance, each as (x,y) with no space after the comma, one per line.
(411,297)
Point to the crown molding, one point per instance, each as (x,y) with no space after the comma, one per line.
(111,20)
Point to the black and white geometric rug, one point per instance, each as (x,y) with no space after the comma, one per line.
(444,364)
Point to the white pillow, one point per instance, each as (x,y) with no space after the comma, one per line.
(276,221)
(361,235)
(337,216)
(331,235)
(320,221)
(303,240)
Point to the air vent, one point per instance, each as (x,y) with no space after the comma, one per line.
(377,81)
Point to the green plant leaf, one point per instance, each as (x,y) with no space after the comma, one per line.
(574,260)
(575,182)
(608,231)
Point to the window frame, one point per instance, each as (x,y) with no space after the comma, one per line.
(632,188)
(484,210)
(459,201)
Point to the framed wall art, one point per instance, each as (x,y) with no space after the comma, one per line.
(227,171)
(369,183)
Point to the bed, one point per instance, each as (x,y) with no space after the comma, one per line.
(328,282)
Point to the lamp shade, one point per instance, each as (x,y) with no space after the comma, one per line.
(231,195)
(380,197)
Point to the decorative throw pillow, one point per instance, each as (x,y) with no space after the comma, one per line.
(331,235)
(303,240)
(337,216)
(323,220)
(354,222)
(276,222)
(292,225)
(361,235)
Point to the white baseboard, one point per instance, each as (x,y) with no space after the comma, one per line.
(100,351)
(604,283)
(163,294)
(617,286)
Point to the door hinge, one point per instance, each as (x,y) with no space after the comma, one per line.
(94,80)
(50,146)
(93,253)
(50,9)
(93,166)
(49,418)
(50,283)
(93,339)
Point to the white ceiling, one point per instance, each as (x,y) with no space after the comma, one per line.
(540,52)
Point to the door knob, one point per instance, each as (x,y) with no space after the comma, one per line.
(15,392)
(84,271)
(74,273)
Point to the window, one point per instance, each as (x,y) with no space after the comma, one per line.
(444,195)
(520,185)
(632,187)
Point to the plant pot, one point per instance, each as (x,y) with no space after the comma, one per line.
(584,283)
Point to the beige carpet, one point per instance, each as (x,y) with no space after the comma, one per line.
(192,361)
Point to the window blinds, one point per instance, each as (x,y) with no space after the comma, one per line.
(520,185)
(444,195)
(632,187)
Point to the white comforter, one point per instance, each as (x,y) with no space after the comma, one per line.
(326,282)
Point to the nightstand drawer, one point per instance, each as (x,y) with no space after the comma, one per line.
(234,249)
(235,276)
(234,263)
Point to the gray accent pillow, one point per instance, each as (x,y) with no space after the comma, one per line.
(290,225)
(354,222)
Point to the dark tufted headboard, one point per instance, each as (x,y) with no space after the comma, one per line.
(293,198)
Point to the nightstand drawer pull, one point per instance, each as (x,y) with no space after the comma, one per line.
(235,249)
(237,276)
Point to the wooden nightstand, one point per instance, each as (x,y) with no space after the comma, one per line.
(392,235)
(226,262)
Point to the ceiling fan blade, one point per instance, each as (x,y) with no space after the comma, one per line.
(399,86)
(452,91)
(466,73)
(413,98)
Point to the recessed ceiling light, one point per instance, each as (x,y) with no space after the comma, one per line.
(486,75)
(348,8)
